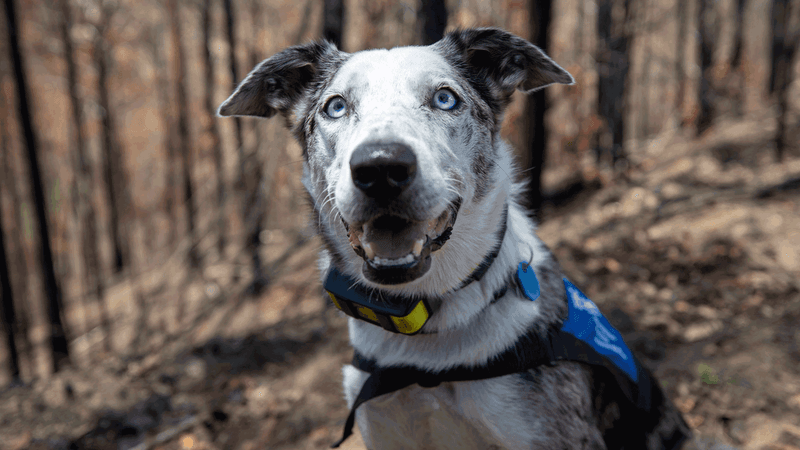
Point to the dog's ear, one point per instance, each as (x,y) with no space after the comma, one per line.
(277,83)
(503,60)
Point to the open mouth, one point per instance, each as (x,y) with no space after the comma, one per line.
(397,250)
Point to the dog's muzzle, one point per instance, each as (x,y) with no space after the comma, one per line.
(396,248)
(400,314)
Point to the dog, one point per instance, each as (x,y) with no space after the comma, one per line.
(419,206)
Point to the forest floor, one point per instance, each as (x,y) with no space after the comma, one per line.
(695,258)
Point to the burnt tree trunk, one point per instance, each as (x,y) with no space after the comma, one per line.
(680,55)
(114,176)
(706,36)
(736,59)
(123,215)
(16,247)
(253,183)
(432,16)
(75,134)
(333,26)
(58,338)
(780,8)
(84,180)
(536,107)
(612,66)
(784,45)
(7,310)
(213,131)
(230,19)
(645,82)
(155,44)
(184,139)
(243,183)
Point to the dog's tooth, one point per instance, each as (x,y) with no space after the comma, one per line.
(418,247)
(368,250)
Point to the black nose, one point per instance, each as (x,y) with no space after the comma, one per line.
(383,170)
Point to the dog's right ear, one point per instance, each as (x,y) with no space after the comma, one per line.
(280,81)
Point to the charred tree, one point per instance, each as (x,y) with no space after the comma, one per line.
(15,247)
(248,179)
(706,35)
(536,107)
(156,46)
(84,180)
(256,209)
(58,339)
(333,26)
(112,171)
(121,203)
(254,186)
(736,59)
(432,16)
(184,139)
(779,19)
(613,61)
(213,131)
(738,36)
(680,55)
(7,310)
(784,45)
(230,19)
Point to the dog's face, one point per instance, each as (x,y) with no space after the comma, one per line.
(395,141)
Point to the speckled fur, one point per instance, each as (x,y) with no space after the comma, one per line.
(564,406)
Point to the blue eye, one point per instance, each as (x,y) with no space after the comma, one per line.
(444,99)
(336,107)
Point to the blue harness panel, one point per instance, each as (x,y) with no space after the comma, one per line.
(589,325)
(586,323)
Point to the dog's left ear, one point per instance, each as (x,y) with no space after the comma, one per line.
(504,60)
(279,82)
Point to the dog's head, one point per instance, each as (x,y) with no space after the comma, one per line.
(396,141)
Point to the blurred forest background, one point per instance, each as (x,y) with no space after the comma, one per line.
(159,285)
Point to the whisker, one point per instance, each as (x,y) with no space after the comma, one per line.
(321,208)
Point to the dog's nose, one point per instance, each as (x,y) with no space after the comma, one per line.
(383,170)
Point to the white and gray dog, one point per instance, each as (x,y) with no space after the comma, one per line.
(428,247)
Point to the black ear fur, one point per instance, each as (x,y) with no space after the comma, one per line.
(278,82)
(501,61)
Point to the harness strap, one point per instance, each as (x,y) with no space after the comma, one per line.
(530,351)
(483,267)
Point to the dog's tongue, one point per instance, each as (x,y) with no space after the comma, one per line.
(392,237)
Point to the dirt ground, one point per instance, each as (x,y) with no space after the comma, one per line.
(695,258)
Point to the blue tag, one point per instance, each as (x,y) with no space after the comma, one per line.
(528,280)
(588,324)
